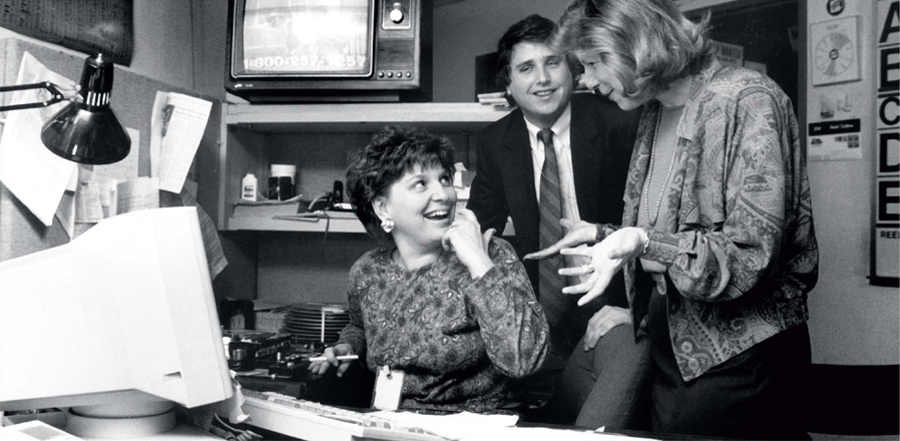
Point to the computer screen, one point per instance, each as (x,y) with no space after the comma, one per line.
(123,313)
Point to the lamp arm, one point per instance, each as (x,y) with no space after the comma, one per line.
(56,95)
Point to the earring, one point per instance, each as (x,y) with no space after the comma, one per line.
(387,225)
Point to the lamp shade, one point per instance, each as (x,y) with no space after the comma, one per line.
(87,130)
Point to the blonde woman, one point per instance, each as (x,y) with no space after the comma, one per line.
(717,241)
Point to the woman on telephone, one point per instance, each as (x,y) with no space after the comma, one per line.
(449,306)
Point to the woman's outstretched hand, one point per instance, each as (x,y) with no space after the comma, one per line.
(577,233)
(606,259)
(465,238)
(320,367)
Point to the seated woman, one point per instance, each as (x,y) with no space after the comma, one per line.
(446,304)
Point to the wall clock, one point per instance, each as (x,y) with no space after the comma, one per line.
(834,51)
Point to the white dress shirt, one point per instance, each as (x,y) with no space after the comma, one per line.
(563,158)
(561,145)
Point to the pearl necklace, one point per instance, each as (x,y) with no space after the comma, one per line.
(646,189)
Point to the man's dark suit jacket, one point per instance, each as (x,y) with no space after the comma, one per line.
(601,140)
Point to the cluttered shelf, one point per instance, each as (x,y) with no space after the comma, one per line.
(308,225)
(315,138)
(292,215)
(285,217)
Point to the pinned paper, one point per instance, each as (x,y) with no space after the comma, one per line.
(65,214)
(36,176)
(215,255)
(137,194)
(177,126)
(87,203)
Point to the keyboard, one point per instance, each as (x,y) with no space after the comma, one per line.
(312,421)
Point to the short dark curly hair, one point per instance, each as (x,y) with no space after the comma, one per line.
(391,153)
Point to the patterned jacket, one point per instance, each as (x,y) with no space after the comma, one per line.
(459,340)
(739,243)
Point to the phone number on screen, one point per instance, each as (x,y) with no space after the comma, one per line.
(346,61)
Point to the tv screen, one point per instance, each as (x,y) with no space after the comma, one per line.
(308,38)
(329,50)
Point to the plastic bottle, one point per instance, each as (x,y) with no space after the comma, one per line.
(248,187)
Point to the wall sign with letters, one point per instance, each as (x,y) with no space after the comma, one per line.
(885,268)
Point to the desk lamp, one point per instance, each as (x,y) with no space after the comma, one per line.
(87,130)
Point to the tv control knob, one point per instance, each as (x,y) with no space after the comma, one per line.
(408,74)
(380,74)
(390,75)
(396,13)
(399,74)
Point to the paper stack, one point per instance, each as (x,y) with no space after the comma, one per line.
(496,99)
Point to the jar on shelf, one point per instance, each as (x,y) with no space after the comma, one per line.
(281,181)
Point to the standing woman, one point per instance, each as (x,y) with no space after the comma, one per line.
(717,240)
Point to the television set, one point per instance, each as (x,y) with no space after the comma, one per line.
(283,51)
(117,325)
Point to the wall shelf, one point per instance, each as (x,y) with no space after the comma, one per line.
(309,226)
(362,117)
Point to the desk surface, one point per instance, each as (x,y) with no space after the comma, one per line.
(324,389)
(181,431)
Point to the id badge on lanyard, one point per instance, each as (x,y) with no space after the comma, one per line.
(388,388)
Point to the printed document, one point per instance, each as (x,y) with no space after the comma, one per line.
(137,194)
(176,127)
(546,433)
(36,176)
(455,426)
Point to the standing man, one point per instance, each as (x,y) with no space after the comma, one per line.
(559,156)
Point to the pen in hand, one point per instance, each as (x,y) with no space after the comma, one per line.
(339,357)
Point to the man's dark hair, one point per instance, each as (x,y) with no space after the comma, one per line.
(531,29)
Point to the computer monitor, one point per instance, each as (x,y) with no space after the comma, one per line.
(121,317)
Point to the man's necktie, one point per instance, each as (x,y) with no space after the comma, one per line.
(550,282)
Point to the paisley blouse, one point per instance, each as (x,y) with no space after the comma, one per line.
(459,340)
(738,241)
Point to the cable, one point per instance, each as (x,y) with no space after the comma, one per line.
(327,227)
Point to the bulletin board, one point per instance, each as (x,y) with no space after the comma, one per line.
(133,95)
